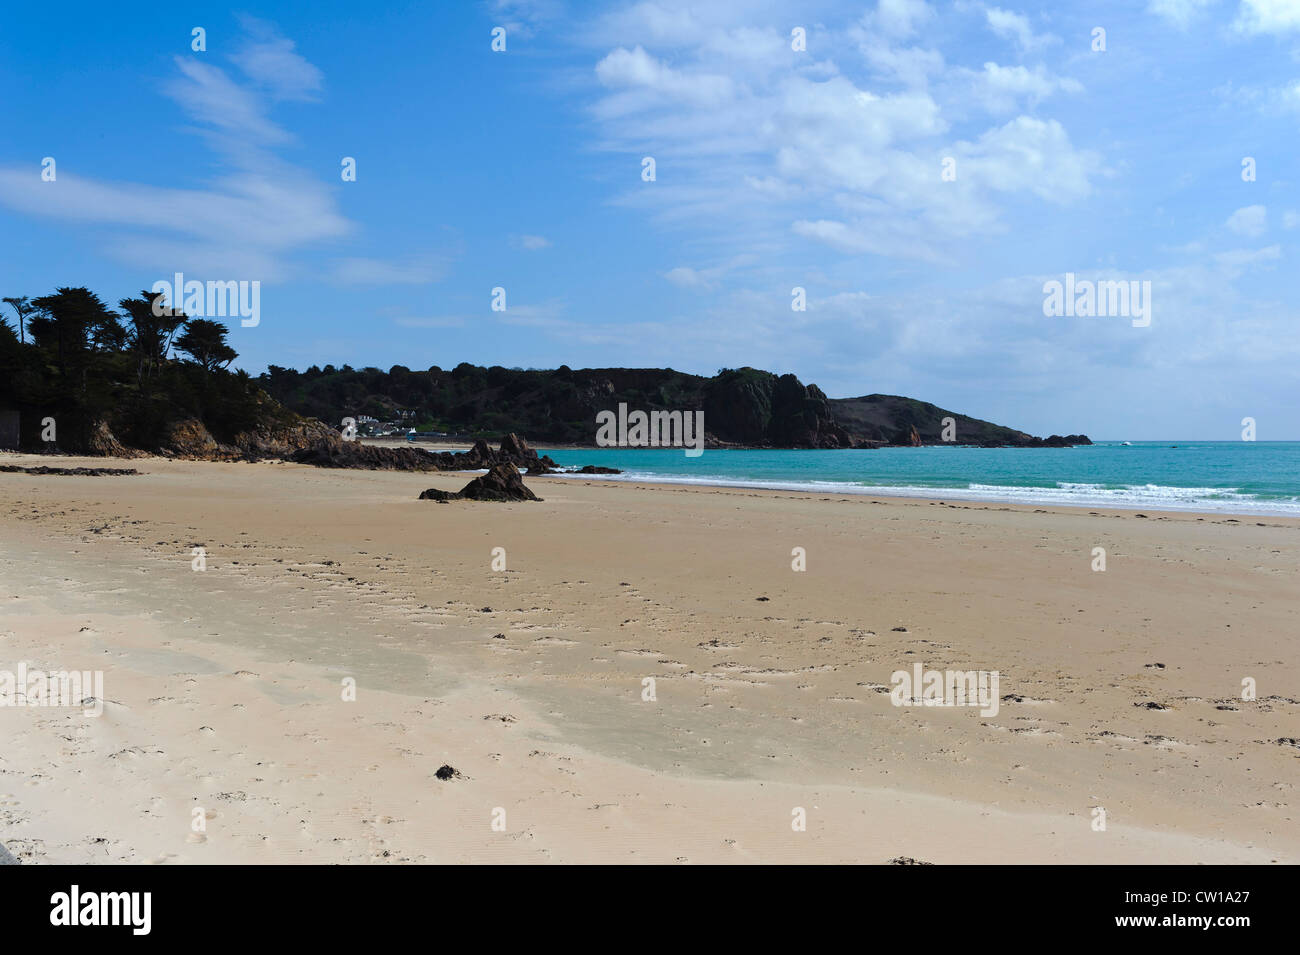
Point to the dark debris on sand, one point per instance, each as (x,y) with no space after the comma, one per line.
(71,472)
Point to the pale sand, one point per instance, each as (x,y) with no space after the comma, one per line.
(224,686)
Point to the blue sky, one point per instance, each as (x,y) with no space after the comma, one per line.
(775,168)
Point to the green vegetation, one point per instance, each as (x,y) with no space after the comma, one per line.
(741,406)
(86,365)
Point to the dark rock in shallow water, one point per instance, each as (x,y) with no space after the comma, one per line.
(501,483)
(597,469)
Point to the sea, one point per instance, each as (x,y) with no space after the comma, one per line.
(1235,477)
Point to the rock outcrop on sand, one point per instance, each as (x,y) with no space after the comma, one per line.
(102,441)
(502,483)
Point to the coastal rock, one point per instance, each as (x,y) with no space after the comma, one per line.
(596,469)
(502,483)
(353,454)
(279,438)
(801,417)
(189,438)
(103,442)
(514,450)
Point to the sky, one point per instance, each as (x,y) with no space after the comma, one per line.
(920,169)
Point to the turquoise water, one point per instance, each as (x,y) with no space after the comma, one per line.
(1250,477)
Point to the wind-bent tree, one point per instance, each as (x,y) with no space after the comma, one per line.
(151,334)
(73,322)
(23,307)
(205,342)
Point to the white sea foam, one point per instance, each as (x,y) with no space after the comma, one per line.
(1132,497)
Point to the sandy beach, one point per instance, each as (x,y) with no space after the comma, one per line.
(225,690)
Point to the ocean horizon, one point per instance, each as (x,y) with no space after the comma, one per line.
(1236,477)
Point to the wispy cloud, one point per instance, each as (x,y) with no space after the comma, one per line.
(411,270)
(251,217)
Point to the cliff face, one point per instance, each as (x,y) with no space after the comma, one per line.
(756,408)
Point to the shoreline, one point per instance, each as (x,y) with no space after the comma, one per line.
(923,495)
(1164,499)
(934,496)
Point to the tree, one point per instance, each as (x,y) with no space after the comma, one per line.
(74,321)
(23,307)
(205,342)
(150,337)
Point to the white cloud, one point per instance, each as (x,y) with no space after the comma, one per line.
(1269,100)
(1034,155)
(1179,12)
(522,19)
(534,242)
(685,277)
(1268,16)
(900,18)
(1249,221)
(1015,26)
(638,69)
(742,130)
(1002,88)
